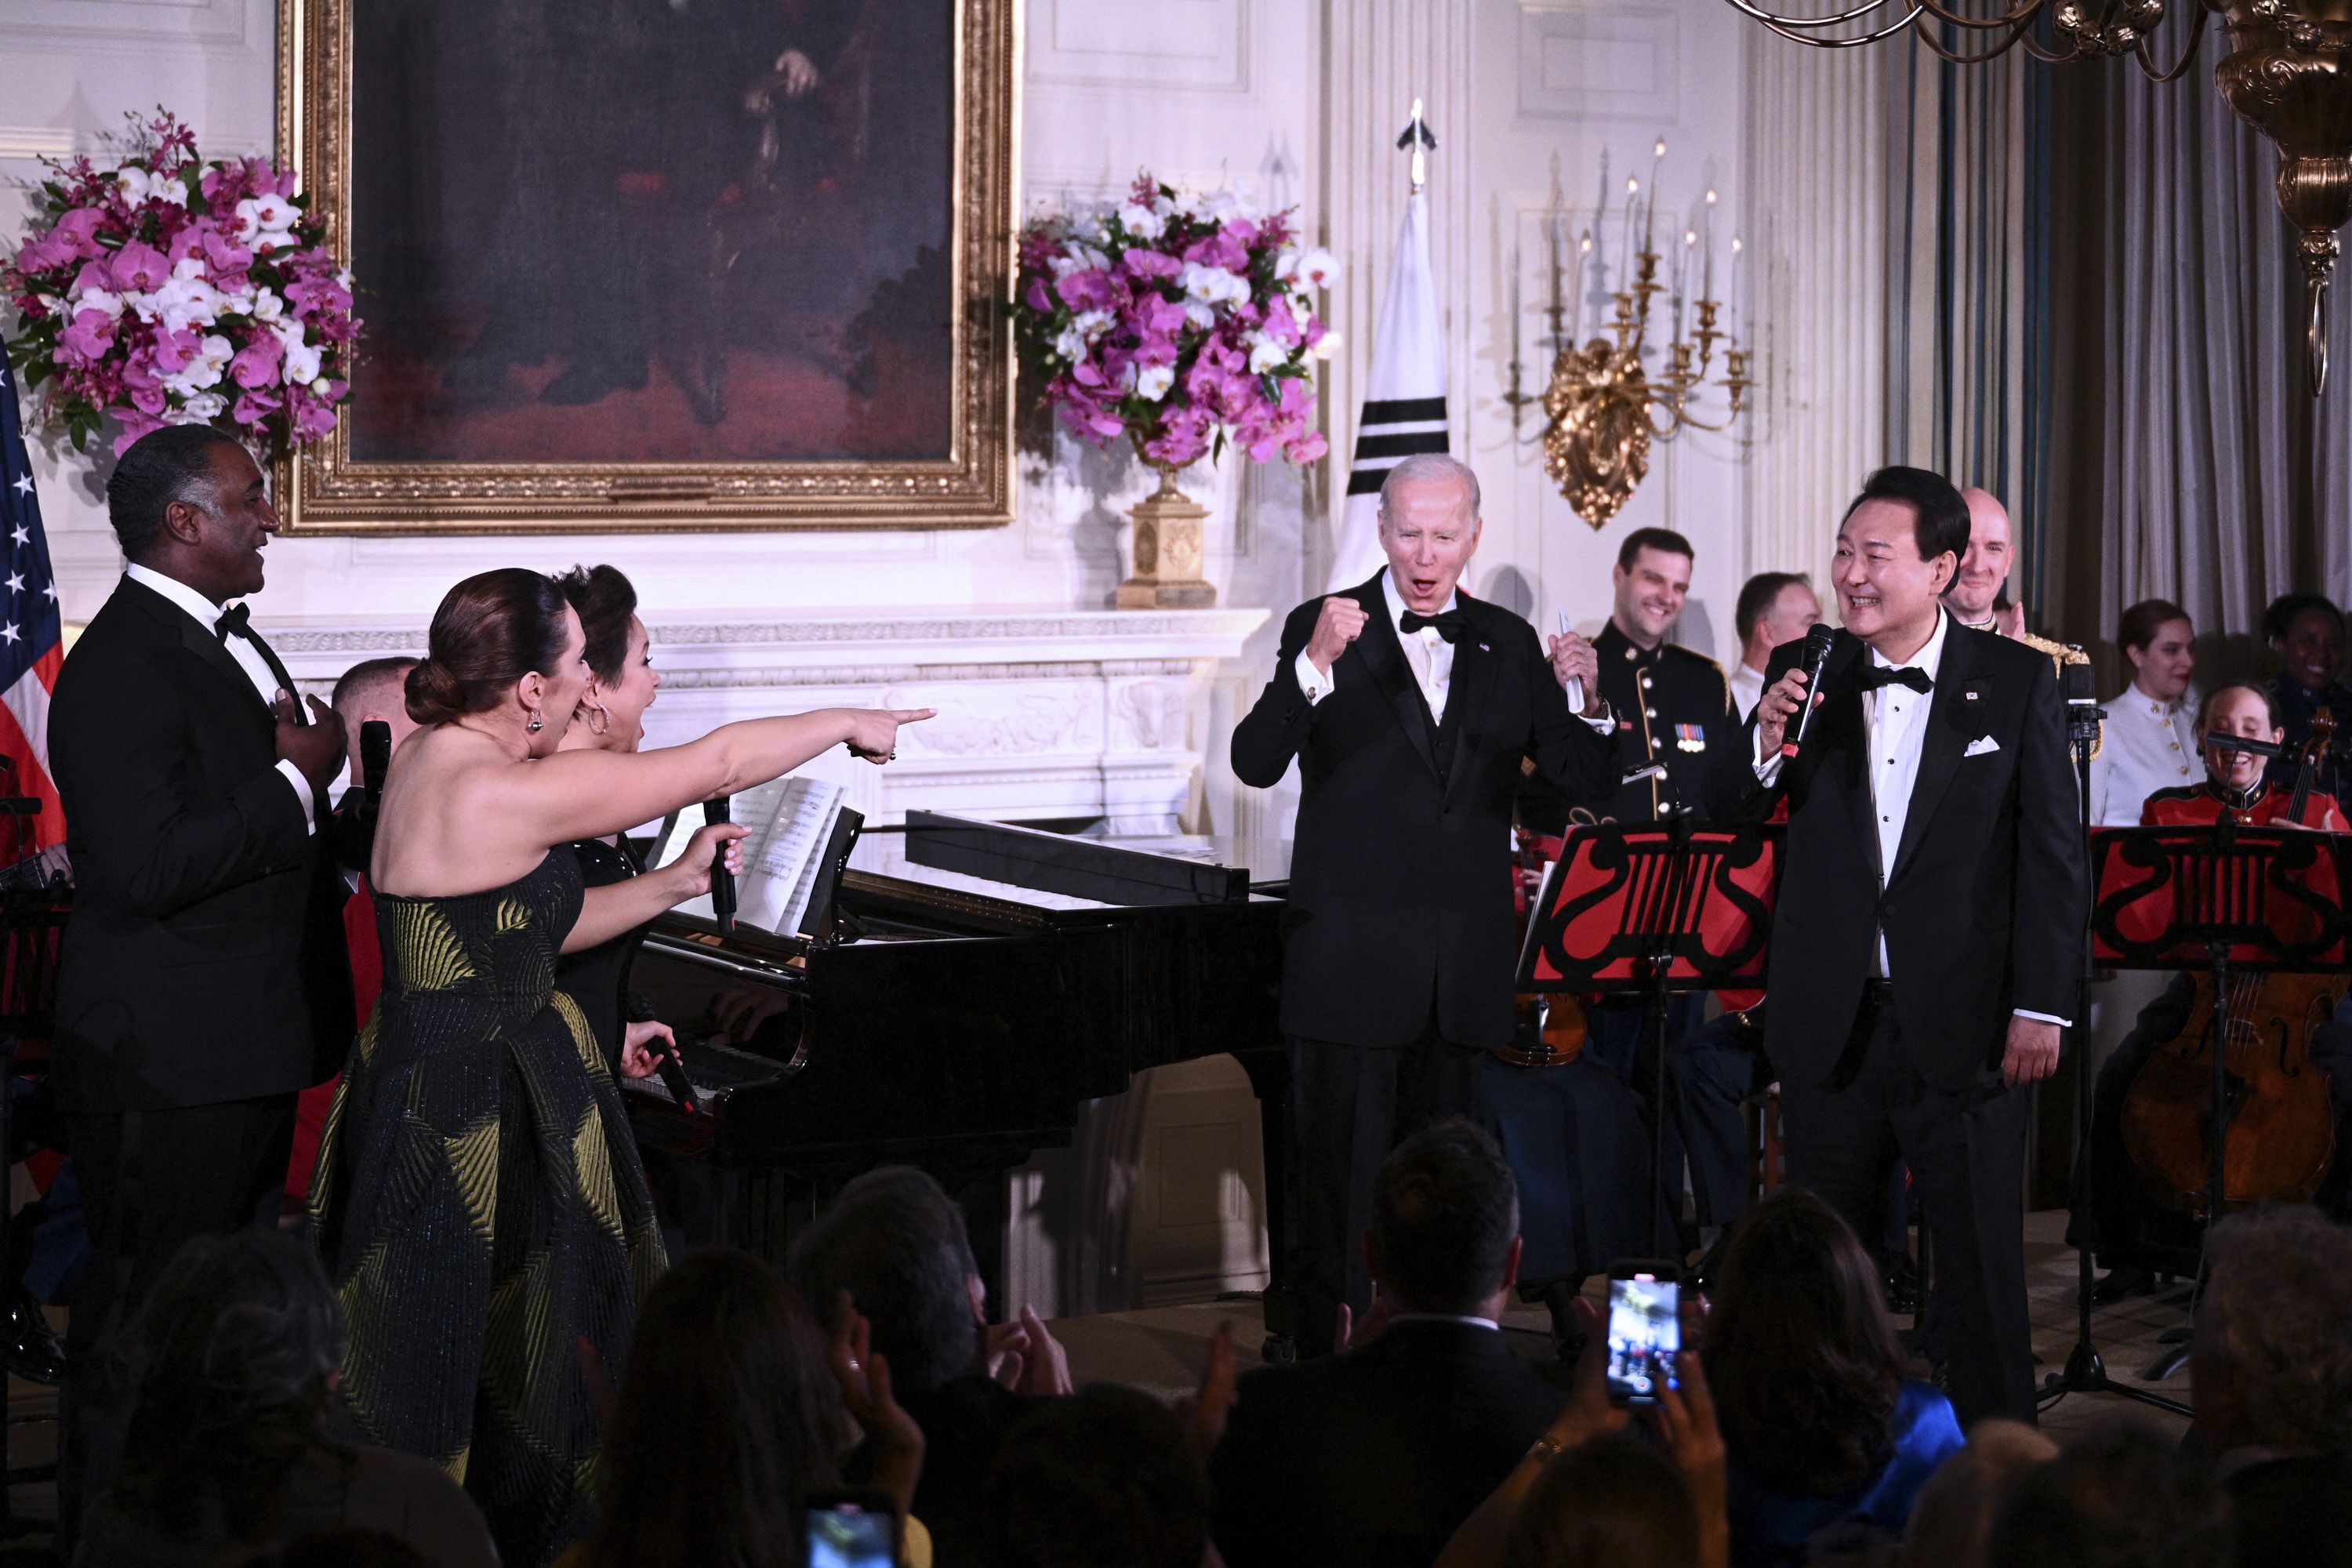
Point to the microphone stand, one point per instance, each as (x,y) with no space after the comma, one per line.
(2085,1372)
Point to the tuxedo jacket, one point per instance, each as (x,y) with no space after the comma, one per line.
(1985,905)
(1376,1455)
(1400,874)
(204,961)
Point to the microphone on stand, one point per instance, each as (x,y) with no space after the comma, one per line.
(2083,710)
(722,880)
(1816,653)
(2221,743)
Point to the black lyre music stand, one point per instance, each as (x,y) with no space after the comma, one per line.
(1651,911)
(2233,899)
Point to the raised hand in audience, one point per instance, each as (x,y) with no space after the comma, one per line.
(1025,1356)
(894,1444)
(1205,1408)
(1685,1419)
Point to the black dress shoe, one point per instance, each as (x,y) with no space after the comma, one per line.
(35,1352)
(2122,1283)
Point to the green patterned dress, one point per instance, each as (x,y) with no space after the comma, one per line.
(481,1208)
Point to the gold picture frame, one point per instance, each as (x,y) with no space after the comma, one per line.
(331,490)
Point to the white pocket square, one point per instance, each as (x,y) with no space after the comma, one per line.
(1982,745)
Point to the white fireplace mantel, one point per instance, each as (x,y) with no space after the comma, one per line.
(1044,713)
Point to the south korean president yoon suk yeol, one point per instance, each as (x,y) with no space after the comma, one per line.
(1409,706)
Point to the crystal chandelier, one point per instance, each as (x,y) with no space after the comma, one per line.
(2289,76)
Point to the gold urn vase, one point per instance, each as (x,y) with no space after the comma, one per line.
(1167,549)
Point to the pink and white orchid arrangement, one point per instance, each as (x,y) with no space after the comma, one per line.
(1178,321)
(164,290)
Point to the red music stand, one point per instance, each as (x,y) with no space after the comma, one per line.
(1651,912)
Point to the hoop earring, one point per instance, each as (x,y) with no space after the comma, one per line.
(600,720)
(537,723)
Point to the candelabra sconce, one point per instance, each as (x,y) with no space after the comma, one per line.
(1605,411)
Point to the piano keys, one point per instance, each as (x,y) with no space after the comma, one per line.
(981,984)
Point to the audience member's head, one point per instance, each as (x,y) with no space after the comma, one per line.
(621,679)
(1446,1223)
(897,1243)
(2273,1365)
(506,643)
(1898,548)
(1977,587)
(349,1548)
(2119,1499)
(729,1417)
(1954,1515)
(372,691)
(1773,608)
(1803,1359)
(232,1358)
(1608,1503)
(1107,1476)
(1651,580)
(2157,638)
(187,501)
(2306,632)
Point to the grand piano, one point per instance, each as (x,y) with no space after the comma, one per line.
(967,988)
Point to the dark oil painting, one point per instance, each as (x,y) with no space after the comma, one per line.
(653,231)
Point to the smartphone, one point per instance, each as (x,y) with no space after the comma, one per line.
(1645,1328)
(851,1530)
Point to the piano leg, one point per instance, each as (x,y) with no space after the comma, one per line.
(1269,1075)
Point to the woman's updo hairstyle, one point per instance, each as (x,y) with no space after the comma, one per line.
(491,630)
(606,603)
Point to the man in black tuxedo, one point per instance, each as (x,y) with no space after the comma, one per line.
(1409,705)
(203,982)
(1927,942)
(1379,1455)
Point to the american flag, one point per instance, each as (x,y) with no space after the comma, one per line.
(32,631)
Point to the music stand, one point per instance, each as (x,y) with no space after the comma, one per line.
(2259,900)
(1651,911)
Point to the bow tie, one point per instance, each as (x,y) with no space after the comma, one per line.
(1909,674)
(1447,623)
(237,619)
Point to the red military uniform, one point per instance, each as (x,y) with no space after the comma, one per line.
(2201,806)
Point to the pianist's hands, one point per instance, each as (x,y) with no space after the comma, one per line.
(639,1049)
(873,731)
(689,874)
(1025,1357)
(894,1444)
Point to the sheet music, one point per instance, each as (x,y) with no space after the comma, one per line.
(762,809)
(781,874)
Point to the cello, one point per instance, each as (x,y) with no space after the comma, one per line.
(2281,1140)
(1550,1026)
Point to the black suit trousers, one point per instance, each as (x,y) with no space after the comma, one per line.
(150,1181)
(1967,1153)
(1349,1105)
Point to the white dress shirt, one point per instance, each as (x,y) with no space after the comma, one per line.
(2150,745)
(206,615)
(1427,654)
(1747,690)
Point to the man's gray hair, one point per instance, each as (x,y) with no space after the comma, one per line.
(2282,1288)
(1423,466)
(896,1241)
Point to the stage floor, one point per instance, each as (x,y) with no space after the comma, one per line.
(1164,1350)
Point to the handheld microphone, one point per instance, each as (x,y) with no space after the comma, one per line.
(1575,688)
(672,1072)
(722,880)
(375,755)
(1815,655)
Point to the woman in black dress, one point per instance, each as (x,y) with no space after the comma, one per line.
(622,681)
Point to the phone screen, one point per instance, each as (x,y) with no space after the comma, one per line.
(846,1536)
(1644,1333)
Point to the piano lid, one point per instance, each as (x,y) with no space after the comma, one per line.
(1016,870)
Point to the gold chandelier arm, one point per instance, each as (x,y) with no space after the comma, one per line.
(1793,27)
(2026,11)
(2016,33)
(1800,23)
(2188,56)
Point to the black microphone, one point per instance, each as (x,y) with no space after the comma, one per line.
(2083,710)
(672,1072)
(2221,743)
(375,755)
(1815,655)
(722,880)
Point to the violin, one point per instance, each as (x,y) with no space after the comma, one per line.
(1550,1024)
(2282,1120)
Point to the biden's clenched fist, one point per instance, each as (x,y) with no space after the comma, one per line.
(1341,622)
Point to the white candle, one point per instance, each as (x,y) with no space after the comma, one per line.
(1576,329)
(1707,291)
(1682,281)
(1657,183)
(1731,322)
(1515,291)
(1626,259)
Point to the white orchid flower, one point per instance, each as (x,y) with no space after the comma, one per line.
(1266,353)
(201,408)
(301,365)
(1141,221)
(1070,343)
(107,303)
(264,305)
(1153,382)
